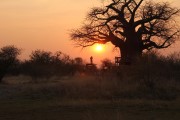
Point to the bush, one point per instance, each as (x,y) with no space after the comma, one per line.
(8,56)
(44,64)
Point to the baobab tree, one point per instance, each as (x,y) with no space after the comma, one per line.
(131,25)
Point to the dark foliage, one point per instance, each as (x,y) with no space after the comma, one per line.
(44,64)
(8,56)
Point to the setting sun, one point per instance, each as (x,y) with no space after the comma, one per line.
(99,48)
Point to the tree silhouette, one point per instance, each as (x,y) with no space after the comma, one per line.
(131,25)
(41,57)
(106,64)
(79,64)
(45,64)
(8,55)
(41,64)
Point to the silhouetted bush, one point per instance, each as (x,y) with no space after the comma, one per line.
(78,64)
(8,56)
(44,64)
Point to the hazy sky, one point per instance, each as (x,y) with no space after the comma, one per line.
(45,24)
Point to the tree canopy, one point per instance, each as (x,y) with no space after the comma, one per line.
(8,55)
(131,25)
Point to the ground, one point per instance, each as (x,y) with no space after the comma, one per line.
(40,101)
(58,110)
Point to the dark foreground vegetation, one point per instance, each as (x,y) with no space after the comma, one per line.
(54,86)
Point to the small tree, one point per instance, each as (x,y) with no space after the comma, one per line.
(131,25)
(78,61)
(8,55)
(40,64)
(106,64)
(79,64)
(45,64)
(41,57)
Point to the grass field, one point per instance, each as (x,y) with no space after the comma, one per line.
(24,109)
(68,99)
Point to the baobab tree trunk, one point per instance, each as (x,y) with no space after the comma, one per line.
(129,52)
(131,49)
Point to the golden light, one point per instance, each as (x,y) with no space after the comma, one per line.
(99,48)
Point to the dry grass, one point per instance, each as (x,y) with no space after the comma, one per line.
(86,97)
(105,87)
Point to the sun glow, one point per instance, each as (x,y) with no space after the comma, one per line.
(99,48)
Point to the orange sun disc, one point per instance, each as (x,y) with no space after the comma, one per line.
(99,48)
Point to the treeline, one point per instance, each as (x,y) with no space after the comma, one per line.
(41,64)
(45,64)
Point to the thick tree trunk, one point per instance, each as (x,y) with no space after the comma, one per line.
(132,47)
(130,52)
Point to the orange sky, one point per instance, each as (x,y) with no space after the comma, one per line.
(45,24)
